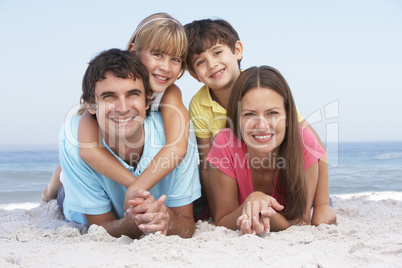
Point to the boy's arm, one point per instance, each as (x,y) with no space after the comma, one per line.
(176,121)
(99,158)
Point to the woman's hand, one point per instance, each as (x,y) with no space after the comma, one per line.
(258,208)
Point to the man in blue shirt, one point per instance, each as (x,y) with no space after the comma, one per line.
(116,83)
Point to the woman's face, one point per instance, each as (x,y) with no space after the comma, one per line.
(262,120)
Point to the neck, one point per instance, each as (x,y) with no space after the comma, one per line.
(262,162)
(130,151)
(263,173)
(221,96)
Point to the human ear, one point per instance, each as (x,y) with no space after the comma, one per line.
(238,50)
(148,100)
(132,48)
(91,107)
(193,74)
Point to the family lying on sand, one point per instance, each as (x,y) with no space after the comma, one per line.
(129,162)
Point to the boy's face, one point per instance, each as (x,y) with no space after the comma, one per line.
(120,107)
(217,67)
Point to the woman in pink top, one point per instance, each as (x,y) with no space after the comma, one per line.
(264,167)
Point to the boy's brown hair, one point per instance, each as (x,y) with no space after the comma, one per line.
(204,34)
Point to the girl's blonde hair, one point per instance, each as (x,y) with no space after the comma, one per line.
(161,32)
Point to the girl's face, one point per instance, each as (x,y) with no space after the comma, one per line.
(262,120)
(163,68)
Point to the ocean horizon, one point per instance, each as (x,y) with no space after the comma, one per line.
(354,167)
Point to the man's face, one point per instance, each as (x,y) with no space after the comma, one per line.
(120,108)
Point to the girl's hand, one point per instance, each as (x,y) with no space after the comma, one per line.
(135,195)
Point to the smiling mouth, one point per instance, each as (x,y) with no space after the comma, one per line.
(263,136)
(122,120)
(217,73)
(160,77)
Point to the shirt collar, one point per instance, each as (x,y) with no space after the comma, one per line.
(206,100)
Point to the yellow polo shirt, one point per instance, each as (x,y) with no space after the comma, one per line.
(208,116)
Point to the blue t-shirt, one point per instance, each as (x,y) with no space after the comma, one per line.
(89,192)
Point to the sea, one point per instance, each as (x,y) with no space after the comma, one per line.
(354,167)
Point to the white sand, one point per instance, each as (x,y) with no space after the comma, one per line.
(368,234)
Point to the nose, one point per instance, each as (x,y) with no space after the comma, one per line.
(261,123)
(212,63)
(122,105)
(165,64)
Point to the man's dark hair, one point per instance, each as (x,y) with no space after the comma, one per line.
(121,63)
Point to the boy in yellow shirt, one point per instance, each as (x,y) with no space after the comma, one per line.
(214,56)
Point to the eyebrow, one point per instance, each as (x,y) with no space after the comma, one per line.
(106,93)
(268,110)
(216,46)
(135,90)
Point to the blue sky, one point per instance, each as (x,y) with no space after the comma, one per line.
(342,59)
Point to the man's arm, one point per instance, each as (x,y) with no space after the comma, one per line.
(116,227)
(181,221)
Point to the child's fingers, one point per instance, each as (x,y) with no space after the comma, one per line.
(137,193)
(141,208)
(136,201)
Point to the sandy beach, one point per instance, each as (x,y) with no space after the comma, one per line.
(368,234)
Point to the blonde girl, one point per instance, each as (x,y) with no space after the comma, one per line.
(161,44)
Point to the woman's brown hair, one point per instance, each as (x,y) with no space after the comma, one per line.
(292,182)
